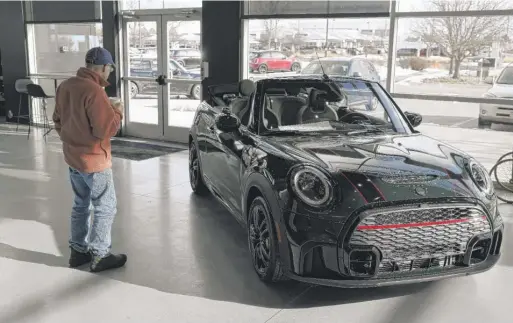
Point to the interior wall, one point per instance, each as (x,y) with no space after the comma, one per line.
(14,59)
(220,41)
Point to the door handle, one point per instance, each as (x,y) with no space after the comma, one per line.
(161,80)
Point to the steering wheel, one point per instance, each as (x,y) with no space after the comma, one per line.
(358,115)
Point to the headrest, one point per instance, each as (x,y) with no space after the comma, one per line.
(317,100)
(246,87)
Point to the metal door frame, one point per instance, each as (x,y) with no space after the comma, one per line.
(161,130)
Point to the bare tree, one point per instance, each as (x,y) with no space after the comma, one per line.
(271,26)
(461,37)
(172,31)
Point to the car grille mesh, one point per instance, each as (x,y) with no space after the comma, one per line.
(419,238)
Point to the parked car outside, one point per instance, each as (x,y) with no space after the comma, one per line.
(345,67)
(187,57)
(272,61)
(502,88)
(147,67)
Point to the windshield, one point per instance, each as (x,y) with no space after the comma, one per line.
(330,68)
(343,105)
(506,76)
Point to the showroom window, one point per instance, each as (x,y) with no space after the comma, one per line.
(56,52)
(295,46)
(61,48)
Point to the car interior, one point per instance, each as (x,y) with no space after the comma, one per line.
(291,104)
(299,104)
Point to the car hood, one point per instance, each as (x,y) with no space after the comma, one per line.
(391,163)
(502,90)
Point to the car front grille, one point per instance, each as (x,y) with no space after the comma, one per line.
(419,238)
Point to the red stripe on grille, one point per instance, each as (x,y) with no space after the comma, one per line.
(410,225)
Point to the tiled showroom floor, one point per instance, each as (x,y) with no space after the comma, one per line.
(187,259)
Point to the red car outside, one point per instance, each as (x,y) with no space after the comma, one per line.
(272,61)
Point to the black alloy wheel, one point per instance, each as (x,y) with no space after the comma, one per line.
(262,241)
(195,175)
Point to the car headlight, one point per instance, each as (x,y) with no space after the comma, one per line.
(312,186)
(480,177)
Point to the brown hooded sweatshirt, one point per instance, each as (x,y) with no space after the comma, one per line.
(85,121)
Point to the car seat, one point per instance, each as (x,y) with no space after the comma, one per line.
(240,106)
(316,110)
(290,106)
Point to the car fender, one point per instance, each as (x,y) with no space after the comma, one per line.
(264,185)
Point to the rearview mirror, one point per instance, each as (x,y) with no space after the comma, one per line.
(415,119)
(357,74)
(227,121)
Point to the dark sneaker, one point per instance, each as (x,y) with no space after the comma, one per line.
(78,259)
(109,262)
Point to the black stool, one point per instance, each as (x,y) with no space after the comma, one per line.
(36,91)
(21,87)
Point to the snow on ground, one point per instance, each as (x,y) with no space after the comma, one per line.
(428,73)
(399,71)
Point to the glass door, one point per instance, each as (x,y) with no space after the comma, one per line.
(162,78)
(142,70)
(183,80)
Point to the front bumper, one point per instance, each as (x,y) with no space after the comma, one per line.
(495,113)
(400,280)
(431,252)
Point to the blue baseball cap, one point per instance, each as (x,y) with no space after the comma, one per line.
(99,56)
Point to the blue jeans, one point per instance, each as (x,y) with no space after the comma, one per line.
(92,191)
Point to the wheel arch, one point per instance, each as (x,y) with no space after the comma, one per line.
(258,185)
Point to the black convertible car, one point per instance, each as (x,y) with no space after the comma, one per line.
(333,194)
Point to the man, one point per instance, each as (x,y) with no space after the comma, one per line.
(86,120)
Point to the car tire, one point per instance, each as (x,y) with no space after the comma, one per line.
(262,69)
(134,90)
(262,240)
(195,174)
(195,92)
(296,67)
(483,124)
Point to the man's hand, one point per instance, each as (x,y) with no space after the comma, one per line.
(118,106)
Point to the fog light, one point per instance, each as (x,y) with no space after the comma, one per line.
(483,111)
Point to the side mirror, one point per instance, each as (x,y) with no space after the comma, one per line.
(227,121)
(176,72)
(415,119)
(489,80)
(357,74)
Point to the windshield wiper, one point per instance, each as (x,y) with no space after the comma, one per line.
(367,129)
(278,132)
(357,128)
